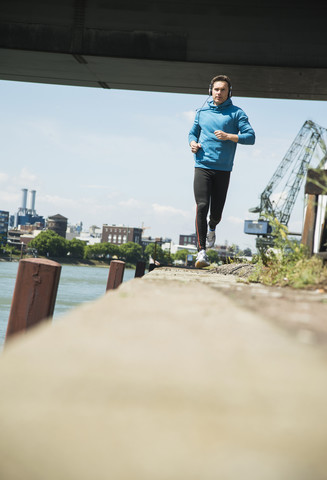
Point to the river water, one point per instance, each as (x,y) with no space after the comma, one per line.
(77,285)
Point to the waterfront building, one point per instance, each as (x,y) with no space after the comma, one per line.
(175,248)
(158,240)
(28,216)
(23,235)
(74,231)
(187,239)
(91,237)
(4,219)
(27,236)
(58,224)
(119,234)
(13,239)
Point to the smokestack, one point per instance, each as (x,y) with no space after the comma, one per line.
(32,204)
(24,199)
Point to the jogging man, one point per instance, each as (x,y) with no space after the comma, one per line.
(217,129)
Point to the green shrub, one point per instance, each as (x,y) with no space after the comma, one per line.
(288,262)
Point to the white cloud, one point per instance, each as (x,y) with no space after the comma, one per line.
(168,210)
(235,220)
(59,202)
(132,203)
(9,197)
(97,187)
(189,115)
(257,153)
(26,177)
(3,177)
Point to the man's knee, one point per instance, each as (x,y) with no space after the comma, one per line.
(202,207)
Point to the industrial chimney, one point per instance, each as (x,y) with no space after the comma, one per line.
(22,209)
(32,203)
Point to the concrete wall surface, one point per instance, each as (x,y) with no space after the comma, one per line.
(162,379)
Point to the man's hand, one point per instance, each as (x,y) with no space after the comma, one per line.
(195,146)
(226,136)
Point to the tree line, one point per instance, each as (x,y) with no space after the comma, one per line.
(50,244)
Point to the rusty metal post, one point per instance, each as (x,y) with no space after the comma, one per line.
(140,269)
(116,274)
(309,227)
(34,295)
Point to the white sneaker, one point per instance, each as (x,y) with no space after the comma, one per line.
(211,238)
(201,260)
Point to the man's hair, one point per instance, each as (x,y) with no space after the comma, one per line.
(221,78)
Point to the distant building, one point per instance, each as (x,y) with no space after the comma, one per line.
(58,223)
(93,236)
(158,240)
(74,231)
(28,216)
(90,237)
(23,235)
(4,220)
(38,226)
(187,239)
(14,237)
(190,248)
(28,236)
(119,234)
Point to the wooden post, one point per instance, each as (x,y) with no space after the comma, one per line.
(309,227)
(323,236)
(140,269)
(316,184)
(34,295)
(116,274)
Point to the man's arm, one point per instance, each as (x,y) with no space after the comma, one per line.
(194,134)
(226,136)
(246,134)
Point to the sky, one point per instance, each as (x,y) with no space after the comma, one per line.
(122,157)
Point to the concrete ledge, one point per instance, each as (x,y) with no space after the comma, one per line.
(162,379)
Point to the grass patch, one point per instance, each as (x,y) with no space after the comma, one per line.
(288,263)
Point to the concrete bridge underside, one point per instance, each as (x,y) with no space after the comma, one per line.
(269,49)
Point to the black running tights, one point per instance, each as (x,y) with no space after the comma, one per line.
(210,190)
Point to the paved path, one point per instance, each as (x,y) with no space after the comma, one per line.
(166,378)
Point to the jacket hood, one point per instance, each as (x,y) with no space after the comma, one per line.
(227,103)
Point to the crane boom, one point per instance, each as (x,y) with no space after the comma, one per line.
(299,156)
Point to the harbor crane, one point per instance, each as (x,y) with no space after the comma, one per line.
(294,164)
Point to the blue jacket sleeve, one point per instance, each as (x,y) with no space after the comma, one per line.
(246,134)
(194,133)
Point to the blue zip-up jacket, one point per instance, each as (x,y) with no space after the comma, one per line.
(219,154)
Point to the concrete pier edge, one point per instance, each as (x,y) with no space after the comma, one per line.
(166,377)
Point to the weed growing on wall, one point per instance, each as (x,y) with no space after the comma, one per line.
(288,262)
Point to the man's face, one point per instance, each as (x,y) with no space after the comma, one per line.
(220,92)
